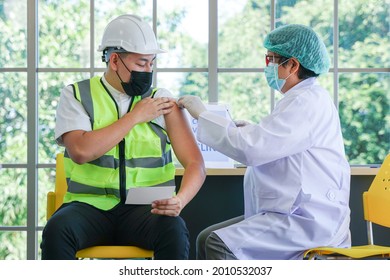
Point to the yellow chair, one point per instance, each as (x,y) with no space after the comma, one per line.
(376,205)
(54,201)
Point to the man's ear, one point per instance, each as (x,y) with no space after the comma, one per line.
(114,61)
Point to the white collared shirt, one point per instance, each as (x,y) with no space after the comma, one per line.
(71,114)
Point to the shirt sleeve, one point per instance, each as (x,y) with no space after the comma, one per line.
(70,115)
(162,92)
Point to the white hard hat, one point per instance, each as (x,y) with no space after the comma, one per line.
(128,33)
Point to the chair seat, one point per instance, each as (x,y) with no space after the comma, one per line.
(356,252)
(114,252)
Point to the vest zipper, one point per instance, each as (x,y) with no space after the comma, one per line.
(122,171)
(122,158)
(122,161)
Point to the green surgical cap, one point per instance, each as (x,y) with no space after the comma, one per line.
(301,42)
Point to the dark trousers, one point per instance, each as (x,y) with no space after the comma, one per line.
(76,226)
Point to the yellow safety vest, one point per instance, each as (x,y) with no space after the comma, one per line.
(142,159)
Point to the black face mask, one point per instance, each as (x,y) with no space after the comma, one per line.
(140,82)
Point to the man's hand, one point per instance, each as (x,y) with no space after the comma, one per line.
(193,104)
(168,207)
(150,108)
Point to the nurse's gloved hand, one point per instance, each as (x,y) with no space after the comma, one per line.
(193,104)
(241,123)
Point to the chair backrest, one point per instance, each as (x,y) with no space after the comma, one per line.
(61,185)
(376,201)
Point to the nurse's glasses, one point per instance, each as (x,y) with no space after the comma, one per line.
(271,58)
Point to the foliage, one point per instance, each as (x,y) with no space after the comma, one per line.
(13,212)
(364,108)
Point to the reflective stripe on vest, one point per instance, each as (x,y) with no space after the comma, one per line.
(147,152)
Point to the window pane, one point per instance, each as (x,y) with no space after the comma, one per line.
(13,33)
(49,87)
(183,32)
(46,183)
(302,12)
(327,82)
(63,33)
(13,118)
(105,11)
(13,245)
(365,116)
(242,26)
(247,95)
(13,201)
(364,34)
(39,247)
(192,83)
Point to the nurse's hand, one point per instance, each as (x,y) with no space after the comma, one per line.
(168,207)
(193,104)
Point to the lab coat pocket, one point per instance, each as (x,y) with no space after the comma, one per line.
(266,200)
(274,201)
(268,195)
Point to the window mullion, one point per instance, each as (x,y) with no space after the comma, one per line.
(32,129)
(213,51)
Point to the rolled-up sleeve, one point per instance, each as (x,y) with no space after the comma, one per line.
(70,115)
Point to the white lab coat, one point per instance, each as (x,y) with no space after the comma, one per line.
(296,186)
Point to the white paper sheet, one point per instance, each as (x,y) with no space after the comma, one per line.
(149,194)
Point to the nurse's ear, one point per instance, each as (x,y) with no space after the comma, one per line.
(294,65)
